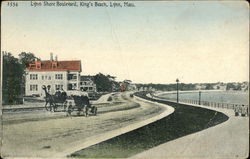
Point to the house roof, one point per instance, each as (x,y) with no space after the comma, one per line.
(74,65)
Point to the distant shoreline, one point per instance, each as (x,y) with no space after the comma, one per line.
(196,91)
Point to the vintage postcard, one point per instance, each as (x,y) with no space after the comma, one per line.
(124,79)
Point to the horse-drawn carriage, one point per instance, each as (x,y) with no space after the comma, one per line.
(70,103)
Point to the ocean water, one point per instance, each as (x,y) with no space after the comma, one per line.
(222,96)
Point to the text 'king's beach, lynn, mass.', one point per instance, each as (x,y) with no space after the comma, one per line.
(112,4)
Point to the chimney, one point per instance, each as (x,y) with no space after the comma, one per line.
(56,58)
(51,56)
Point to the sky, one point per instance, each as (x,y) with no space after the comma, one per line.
(153,42)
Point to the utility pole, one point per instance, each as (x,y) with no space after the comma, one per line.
(177,87)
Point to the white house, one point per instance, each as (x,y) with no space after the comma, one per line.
(62,75)
(87,84)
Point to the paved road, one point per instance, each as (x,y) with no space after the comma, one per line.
(45,138)
(227,140)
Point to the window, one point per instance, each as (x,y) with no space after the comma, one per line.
(49,77)
(59,87)
(72,86)
(33,76)
(90,88)
(72,76)
(33,87)
(42,77)
(58,76)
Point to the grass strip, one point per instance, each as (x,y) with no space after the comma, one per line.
(184,121)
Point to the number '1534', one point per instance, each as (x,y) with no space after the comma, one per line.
(12,4)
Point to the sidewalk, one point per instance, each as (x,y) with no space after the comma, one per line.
(101,100)
(227,140)
(25,105)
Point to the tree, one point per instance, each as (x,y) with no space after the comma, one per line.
(106,83)
(26,58)
(12,78)
(230,86)
(209,86)
(238,87)
(13,75)
(103,83)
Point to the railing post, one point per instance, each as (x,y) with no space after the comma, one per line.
(199,97)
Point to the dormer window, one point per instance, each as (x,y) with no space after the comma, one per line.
(54,64)
(38,64)
(32,65)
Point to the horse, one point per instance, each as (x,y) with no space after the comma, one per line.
(53,100)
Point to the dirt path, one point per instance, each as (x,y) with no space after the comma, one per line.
(45,138)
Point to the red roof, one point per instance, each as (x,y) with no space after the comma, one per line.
(60,66)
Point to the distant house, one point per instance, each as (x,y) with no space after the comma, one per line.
(200,86)
(127,85)
(132,87)
(87,84)
(58,75)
